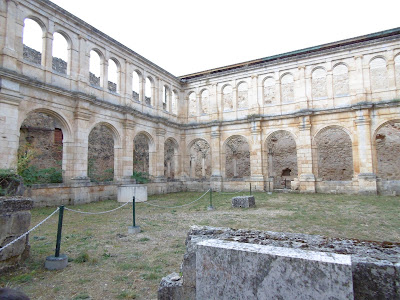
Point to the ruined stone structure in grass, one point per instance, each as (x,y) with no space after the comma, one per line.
(317,120)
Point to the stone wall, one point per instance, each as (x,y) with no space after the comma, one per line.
(141,154)
(42,134)
(387,144)
(200,160)
(59,65)
(375,266)
(237,156)
(15,219)
(32,55)
(94,80)
(282,158)
(335,156)
(101,154)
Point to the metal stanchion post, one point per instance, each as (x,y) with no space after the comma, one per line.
(210,207)
(57,262)
(134,228)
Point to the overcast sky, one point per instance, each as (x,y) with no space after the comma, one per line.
(184,36)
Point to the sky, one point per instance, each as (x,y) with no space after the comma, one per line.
(186,36)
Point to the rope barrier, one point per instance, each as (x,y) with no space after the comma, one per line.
(33,228)
(155,205)
(96,213)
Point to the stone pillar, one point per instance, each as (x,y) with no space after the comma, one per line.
(127,146)
(216,176)
(253,100)
(47,53)
(391,73)
(10,99)
(256,149)
(366,177)
(104,72)
(183,161)
(304,156)
(160,136)
(83,70)
(81,142)
(9,32)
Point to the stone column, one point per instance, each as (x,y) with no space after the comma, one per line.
(83,69)
(391,73)
(9,32)
(81,142)
(182,159)
(256,162)
(216,176)
(127,146)
(366,177)
(304,156)
(104,72)
(47,53)
(253,100)
(10,99)
(159,172)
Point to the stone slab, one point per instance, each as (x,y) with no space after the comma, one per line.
(126,193)
(243,201)
(170,287)
(232,270)
(56,263)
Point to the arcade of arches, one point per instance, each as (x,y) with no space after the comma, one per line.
(324,119)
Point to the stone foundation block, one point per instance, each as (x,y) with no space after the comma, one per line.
(243,201)
(232,270)
(171,287)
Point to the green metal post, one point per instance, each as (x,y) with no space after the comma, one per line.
(133,211)
(250,188)
(211,198)
(60,221)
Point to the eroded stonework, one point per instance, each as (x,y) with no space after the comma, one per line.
(379,76)
(200,159)
(227,98)
(340,81)
(319,84)
(335,159)
(101,154)
(141,154)
(243,95)
(269,91)
(388,148)
(169,159)
(287,88)
(237,157)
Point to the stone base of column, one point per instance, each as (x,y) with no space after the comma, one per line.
(216,183)
(257,183)
(367,184)
(307,183)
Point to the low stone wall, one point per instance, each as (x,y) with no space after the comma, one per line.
(336,187)
(71,194)
(388,187)
(15,219)
(375,266)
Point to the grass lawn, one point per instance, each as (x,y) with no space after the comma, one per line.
(107,263)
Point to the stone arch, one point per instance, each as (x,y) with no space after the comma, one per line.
(32,39)
(269,90)
(386,141)
(397,69)
(103,139)
(236,150)
(114,71)
(143,145)
(43,137)
(227,97)
(378,74)
(340,80)
(61,59)
(96,60)
(287,87)
(242,95)
(171,154)
(149,94)
(136,84)
(318,83)
(192,103)
(281,158)
(199,159)
(204,101)
(334,154)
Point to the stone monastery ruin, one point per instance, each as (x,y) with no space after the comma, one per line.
(323,119)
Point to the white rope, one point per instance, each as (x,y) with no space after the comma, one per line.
(95,213)
(1,249)
(231,193)
(178,205)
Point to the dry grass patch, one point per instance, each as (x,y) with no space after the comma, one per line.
(108,263)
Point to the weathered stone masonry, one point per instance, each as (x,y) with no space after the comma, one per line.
(343,94)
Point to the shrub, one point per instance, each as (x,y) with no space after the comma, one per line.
(9,182)
(140,177)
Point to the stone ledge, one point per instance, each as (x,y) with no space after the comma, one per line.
(14,204)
